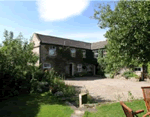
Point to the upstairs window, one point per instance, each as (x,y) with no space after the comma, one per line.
(52,51)
(95,53)
(104,53)
(46,65)
(79,67)
(73,52)
(84,53)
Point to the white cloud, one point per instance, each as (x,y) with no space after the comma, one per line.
(45,32)
(54,10)
(87,37)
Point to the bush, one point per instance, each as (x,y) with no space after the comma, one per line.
(89,73)
(129,74)
(76,74)
(19,74)
(81,74)
(100,72)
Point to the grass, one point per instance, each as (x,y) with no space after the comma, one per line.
(115,109)
(37,105)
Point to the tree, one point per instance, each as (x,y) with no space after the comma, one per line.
(101,62)
(15,71)
(129,33)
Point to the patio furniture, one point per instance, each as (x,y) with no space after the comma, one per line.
(146,95)
(129,112)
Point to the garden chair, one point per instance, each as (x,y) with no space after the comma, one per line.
(129,112)
(146,95)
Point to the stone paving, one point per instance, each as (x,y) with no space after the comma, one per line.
(105,90)
(109,90)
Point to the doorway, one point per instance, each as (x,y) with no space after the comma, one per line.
(70,69)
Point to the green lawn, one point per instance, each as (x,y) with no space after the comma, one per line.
(115,109)
(36,105)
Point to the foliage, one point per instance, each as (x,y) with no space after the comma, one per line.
(17,65)
(130,96)
(128,33)
(129,74)
(101,62)
(55,83)
(148,68)
(81,74)
(61,59)
(18,72)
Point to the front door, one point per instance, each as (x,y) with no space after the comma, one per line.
(97,69)
(70,69)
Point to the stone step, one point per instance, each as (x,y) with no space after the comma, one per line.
(79,112)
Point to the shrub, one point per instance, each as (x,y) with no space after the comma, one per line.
(100,72)
(129,74)
(80,74)
(89,73)
(76,74)
(19,74)
(69,91)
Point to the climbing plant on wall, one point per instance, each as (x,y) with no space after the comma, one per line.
(63,57)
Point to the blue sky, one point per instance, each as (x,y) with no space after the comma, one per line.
(68,19)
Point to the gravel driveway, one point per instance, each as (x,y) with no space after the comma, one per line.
(107,90)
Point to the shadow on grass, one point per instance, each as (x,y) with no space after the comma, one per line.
(86,78)
(102,100)
(26,105)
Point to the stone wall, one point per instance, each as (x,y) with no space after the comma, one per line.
(36,49)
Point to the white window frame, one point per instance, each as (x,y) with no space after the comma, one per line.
(52,48)
(95,54)
(138,68)
(48,66)
(73,54)
(84,53)
(79,67)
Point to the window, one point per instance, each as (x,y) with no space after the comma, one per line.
(79,66)
(73,52)
(46,65)
(89,68)
(138,69)
(104,53)
(95,53)
(84,53)
(52,51)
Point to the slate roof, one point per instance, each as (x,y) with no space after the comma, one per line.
(97,45)
(68,42)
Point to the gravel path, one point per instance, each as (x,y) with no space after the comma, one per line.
(106,90)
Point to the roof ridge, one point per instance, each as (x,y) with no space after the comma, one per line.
(100,41)
(61,38)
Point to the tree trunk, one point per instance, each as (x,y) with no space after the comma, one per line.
(143,72)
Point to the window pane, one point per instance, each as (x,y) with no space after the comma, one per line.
(72,50)
(51,52)
(84,54)
(79,69)
(46,65)
(79,65)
